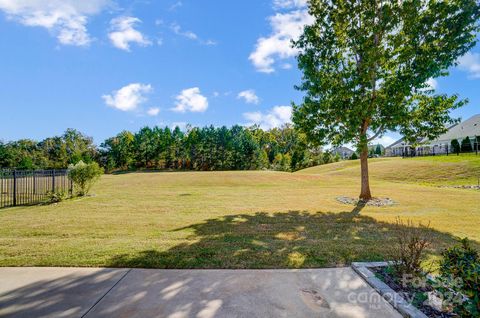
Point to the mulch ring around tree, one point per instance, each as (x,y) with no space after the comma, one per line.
(378,202)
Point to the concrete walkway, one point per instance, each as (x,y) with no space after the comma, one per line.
(82,292)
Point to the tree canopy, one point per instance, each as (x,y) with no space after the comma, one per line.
(367,64)
(210,148)
(207,148)
(54,152)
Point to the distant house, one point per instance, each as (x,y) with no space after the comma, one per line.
(442,145)
(343,152)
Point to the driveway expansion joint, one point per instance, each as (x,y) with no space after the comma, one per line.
(106,293)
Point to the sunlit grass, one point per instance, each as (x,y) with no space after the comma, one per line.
(256,219)
(438,170)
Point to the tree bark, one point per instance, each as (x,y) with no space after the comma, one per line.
(365,193)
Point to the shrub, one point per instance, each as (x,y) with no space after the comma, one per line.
(327,157)
(466,145)
(84,176)
(455,146)
(354,156)
(282,162)
(336,158)
(462,264)
(26,163)
(56,196)
(409,249)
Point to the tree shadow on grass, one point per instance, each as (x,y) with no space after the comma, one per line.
(359,207)
(279,240)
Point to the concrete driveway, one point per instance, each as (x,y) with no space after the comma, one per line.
(82,292)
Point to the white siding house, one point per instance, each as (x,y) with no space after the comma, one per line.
(469,128)
(343,152)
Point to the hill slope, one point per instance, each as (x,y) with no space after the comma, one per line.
(436,170)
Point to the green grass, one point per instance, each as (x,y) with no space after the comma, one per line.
(244,219)
(439,170)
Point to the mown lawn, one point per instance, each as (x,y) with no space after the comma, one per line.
(244,219)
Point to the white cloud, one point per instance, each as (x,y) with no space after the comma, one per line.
(129,97)
(209,42)
(288,4)
(432,83)
(176,5)
(154,111)
(249,96)
(470,63)
(191,100)
(276,117)
(123,33)
(66,19)
(285,27)
(177,29)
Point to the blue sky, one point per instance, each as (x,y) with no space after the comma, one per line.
(103,66)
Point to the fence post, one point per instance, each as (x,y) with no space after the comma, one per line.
(70,182)
(14,187)
(476,145)
(53,180)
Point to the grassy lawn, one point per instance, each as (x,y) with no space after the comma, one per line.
(244,219)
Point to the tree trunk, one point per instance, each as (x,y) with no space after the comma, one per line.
(365,193)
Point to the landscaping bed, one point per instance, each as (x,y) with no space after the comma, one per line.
(420,293)
(454,291)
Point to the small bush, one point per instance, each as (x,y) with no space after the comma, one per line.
(409,249)
(327,157)
(84,176)
(353,156)
(336,158)
(461,264)
(56,196)
(466,145)
(455,146)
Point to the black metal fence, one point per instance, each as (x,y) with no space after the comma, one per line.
(26,187)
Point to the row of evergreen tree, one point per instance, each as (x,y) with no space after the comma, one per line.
(207,148)
(465,146)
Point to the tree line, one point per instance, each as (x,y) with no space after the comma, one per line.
(207,148)
(51,153)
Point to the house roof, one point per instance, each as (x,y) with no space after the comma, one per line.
(342,149)
(396,142)
(469,127)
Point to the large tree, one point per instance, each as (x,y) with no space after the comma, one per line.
(367,64)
